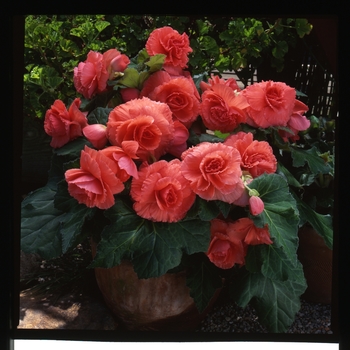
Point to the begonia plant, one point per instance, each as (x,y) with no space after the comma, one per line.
(178,172)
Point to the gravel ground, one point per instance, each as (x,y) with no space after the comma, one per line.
(312,318)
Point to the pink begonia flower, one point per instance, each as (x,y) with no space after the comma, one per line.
(64,125)
(95,183)
(257,156)
(161,193)
(222,109)
(271,103)
(231,82)
(147,122)
(123,156)
(172,44)
(213,170)
(256,205)
(129,94)
(90,77)
(96,134)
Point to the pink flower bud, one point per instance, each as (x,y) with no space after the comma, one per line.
(256,205)
(96,134)
(120,62)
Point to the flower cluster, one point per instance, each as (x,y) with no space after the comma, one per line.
(146,144)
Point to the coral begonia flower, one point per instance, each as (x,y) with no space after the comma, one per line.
(90,77)
(226,246)
(231,82)
(96,134)
(147,122)
(95,183)
(253,235)
(161,193)
(62,125)
(271,103)
(222,109)
(124,159)
(173,45)
(256,156)
(179,93)
(214,172)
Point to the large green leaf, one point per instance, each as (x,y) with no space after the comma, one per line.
(322,224)
(153,247)
(99,116)
(275,302)
(74,218)
(316,163)
(41,224)
(280,213)
(272,262)
(203,280)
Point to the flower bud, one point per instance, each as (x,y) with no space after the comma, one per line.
(256,205)
(96,134)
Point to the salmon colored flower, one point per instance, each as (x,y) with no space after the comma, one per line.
(147,122)
(90,77)
(95,183)
(96,134)
(214,172)
(226,246)
(173,45)
(64,125)
(271,103)
(222,109)
(252,235)
(161,193)
(257,157)
(124,157)
(231,82)
(179,93)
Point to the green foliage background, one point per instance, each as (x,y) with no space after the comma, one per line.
(55,44)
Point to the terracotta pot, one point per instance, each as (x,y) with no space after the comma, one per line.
(161,303)
(316,259)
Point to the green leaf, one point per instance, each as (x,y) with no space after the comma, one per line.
(73,148)
(130,78)
(203,280)
(275,302)
(292,181)
(99,116)
(322,224)
(156,62)
(101,25)
(316,163)
(280,213)
(41,224)
(154,247)
(303,27)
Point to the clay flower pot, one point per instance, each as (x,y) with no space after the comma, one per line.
(316,259)
(161,303)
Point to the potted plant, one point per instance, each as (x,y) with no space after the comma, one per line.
(178,180)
